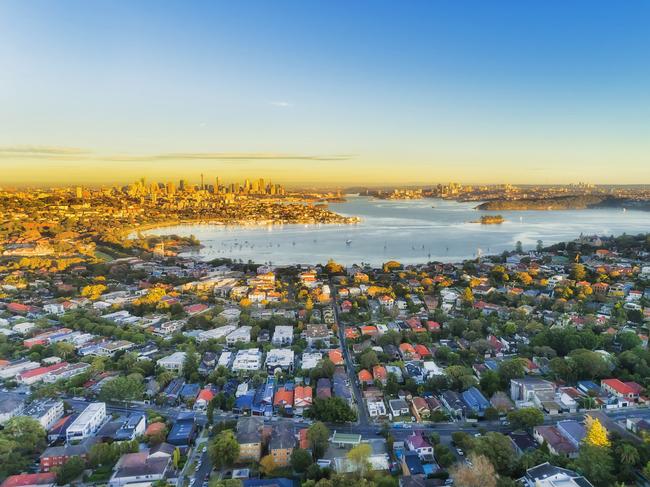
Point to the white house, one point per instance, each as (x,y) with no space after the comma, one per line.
(247,360)
(240,335)
(283,335)
(173,362)
(87,423)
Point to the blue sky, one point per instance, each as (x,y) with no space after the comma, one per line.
(328,92)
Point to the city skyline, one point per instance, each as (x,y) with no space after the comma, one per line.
(327,95)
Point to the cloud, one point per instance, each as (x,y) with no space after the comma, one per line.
(77,154)
(281,104)
(42,152)
(231,156)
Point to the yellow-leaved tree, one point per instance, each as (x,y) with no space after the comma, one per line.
(596,433)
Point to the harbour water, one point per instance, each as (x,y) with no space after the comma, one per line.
(409,231)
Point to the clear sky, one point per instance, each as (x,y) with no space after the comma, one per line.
(325,92)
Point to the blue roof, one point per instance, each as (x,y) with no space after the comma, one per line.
(244,403)
(413,463)
(491,364)
(588,385)
(475,400)
(181,433)
(190,391)
(230,387)
(279,482)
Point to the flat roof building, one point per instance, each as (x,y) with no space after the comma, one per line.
(87,423)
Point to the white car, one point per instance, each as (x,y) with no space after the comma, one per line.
(460,452)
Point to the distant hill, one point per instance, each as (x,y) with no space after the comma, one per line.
(580,202)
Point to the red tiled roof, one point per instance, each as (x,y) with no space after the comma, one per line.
(29,479)
(206,395)
(379,371)
(365,376)
(336,356)
(42,370)
(618,386)
(283,397)
(154,428)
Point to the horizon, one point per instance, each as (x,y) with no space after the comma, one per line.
(324,95)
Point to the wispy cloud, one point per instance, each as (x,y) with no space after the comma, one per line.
(77,154)
(231,156)
(281,104)
(41,151)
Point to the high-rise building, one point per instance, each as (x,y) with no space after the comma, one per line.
(79,192)
(182,185)
(171,188)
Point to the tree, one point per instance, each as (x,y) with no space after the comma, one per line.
(300,460)
(368,359)
(11,461)
(511,369)
(480,474)
(628,340)
(319,437)
(70,470)
(359,456)
(191,365)
(64,350)
(490,382)
(224,450)
(596,434)
(26,433)
(596,463)
(129,388)
(332,410)
(267,464)
(176,458)
(468,296)
(578,272)
(498,449)
(216,482)
(628,454)
(93,291)
(526,418)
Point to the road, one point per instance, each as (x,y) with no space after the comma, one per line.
(362,412)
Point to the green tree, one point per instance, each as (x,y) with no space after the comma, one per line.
(511,369)
(224,450)
(332,410)
(26,433)
(318,436)
(191,365)
(129,388)
(490,382)
(526,418)
(498,449)
(300,460)
(628,454)
(368,359)
(70,470)
(11,461)
(596,463)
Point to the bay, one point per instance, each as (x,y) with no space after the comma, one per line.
(409,231)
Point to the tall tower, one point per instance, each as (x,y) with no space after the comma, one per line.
(202,185)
